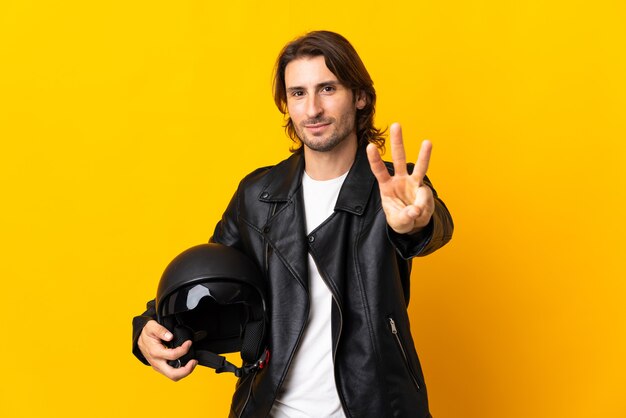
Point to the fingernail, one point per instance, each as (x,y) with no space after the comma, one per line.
(168,336)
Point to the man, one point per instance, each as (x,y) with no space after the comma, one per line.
(334,229)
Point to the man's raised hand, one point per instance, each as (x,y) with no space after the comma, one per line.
(407,201)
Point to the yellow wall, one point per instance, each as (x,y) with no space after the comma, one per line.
(126,125)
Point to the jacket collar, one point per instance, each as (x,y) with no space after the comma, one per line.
(286,178)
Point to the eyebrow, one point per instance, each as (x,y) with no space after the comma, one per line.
(317,86)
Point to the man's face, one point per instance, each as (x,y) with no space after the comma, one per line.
(322,110)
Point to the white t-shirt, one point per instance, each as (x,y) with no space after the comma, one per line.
(309,389)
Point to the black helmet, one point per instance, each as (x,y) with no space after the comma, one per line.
(214,295)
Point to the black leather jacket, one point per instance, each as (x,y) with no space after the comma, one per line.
(367,268)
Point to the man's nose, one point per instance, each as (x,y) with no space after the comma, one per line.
(313,106)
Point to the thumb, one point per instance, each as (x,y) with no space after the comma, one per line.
(157,330)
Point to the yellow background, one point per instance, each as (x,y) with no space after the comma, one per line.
(126,125)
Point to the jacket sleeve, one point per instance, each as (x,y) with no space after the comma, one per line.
(434,236)
(138,323)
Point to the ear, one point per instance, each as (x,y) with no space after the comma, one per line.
(361,100)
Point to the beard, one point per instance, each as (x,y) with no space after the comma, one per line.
(340,130)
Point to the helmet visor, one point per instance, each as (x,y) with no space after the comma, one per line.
(221,293)
(217,312)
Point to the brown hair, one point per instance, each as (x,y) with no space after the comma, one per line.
(343,61)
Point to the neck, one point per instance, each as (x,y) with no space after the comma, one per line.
(330,164)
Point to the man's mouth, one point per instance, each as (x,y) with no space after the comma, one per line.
(316,127)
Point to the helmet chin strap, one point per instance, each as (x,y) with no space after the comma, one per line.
(220,364)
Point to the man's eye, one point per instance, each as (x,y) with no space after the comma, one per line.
(297,93)
(328,89)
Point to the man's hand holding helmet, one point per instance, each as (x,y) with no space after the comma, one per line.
(151,345)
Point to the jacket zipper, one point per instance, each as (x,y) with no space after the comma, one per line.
(248,396)
(292,354)
(335,300)
(396,335)
(345,410)
(267,269)
(308,310)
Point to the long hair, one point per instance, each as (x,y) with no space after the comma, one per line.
(343,61)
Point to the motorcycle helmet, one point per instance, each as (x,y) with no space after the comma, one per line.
(214,295)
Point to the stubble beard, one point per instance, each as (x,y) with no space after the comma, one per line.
(320,143)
